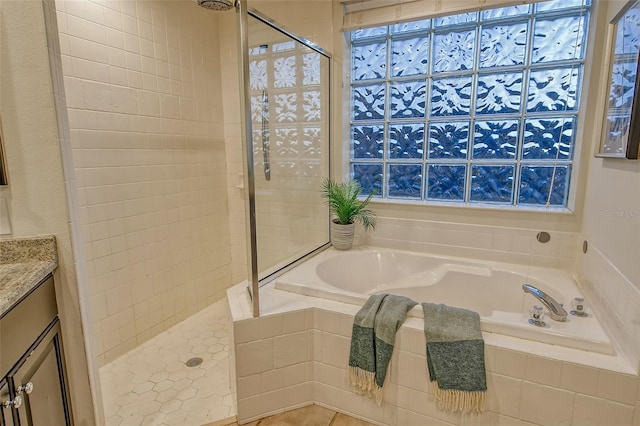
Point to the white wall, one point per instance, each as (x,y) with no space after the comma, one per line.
(143,91)
(36,196)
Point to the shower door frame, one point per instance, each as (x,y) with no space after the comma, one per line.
(254,281)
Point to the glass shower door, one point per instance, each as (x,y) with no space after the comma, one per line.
(289,97)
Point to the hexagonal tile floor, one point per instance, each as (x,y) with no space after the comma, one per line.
(151,385)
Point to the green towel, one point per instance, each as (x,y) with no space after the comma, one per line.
(374,333)
(455,357)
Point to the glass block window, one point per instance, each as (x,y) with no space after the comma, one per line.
(473,108)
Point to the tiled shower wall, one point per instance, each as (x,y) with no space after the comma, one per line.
(144,103)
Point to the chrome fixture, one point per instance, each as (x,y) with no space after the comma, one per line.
(537,316)
(217,5)
(556,311)
(265,135)
(579,307)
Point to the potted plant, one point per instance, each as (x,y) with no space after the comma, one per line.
(342,199)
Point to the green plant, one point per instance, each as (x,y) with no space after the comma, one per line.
(342,199)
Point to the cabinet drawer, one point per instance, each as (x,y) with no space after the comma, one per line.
(22,325)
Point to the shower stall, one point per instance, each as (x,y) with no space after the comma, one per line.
(286,134)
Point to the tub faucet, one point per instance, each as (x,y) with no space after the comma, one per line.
(556,311)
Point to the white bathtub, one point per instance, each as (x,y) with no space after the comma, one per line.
(492,289)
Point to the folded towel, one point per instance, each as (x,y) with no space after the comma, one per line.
(374,333)
(455,357)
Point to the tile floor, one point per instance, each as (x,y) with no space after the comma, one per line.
(151,385)
(311,415)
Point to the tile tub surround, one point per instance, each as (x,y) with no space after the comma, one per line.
(24,262)
(485,242)
(296,354)
(618,299)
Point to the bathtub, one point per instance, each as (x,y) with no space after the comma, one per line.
(492,289)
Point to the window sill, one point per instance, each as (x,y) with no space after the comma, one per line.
(474,206)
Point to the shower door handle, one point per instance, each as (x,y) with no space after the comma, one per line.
(265,135)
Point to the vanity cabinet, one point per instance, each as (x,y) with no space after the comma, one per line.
(34,386)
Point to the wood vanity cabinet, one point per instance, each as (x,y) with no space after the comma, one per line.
(33,388)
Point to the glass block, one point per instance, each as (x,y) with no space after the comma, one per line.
(311,106)
(623,84)
(492,184)
(461,18)
(312,142)
(284,143)
(258,50)
(369,61)
(406,140)
(503,45)
(453,51)
(535,185)
(284,46)
(410,56)
(285,107)
(448,140)
(258,77)
(499,93)
(368,102)
(451,96)
(548,6)
(548,138)
(618,131)
(495,139)
(408,99)
(504,12)
(284,72)
(369,176)
(628,33)
(558,39)
(405,180)
(368,32)
(445,182)
(553,90)
(311,69)
(406,27)
(367,141)
(257,107)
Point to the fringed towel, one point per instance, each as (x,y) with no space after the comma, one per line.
(455,357)
(374,333)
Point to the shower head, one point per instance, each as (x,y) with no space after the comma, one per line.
(217,5)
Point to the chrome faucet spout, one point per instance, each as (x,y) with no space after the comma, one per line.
(556,311)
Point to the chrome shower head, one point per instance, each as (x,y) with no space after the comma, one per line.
(217,5)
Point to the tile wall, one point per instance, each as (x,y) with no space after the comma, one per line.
(295,358)
(486,242)
(144,101)
(614,297)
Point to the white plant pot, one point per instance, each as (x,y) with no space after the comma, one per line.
(342,235)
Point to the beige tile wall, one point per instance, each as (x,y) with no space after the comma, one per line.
(523,388)
(145,109)
(614,297)
(486,242)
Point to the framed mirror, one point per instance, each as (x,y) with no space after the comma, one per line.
(621,121)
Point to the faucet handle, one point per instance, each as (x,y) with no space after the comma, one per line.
(579,307)
(537,316)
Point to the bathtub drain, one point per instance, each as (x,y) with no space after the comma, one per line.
(193,362)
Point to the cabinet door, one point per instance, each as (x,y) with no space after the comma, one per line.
(6,414)
(40,379)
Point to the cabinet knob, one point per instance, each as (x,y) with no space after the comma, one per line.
(26,388)
(16,403)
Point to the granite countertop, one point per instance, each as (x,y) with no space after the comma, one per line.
(24,262)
